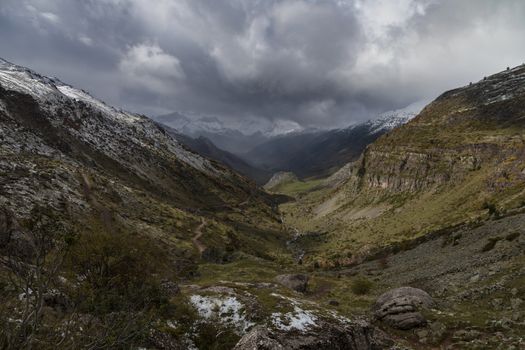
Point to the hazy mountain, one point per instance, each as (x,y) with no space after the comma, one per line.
(322,152)
(285,146)
(205,147)
(237,138)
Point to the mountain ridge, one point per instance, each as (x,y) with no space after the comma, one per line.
(320,153)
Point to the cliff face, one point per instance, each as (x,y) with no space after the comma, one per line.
(462,131)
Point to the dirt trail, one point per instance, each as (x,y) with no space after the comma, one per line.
(198,234)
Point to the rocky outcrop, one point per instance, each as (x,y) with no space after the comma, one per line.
(297,282)
(452,137)
(400,307)
(358,335)
(280,178)
(259,338)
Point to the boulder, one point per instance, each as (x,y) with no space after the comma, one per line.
(259,338)
(297,282)
(400,307)
(355,335)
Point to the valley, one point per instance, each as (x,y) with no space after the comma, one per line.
(114,234)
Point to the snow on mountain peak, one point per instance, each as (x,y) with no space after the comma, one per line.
(111,131)
(283,127)
(391,119)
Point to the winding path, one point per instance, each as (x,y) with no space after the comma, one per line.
(198,234)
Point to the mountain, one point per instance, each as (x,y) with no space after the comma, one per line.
(205,147)
(235,138)
(114,235)
(464,150)
(68,123)
(321,153)
(283,145)
(121,211)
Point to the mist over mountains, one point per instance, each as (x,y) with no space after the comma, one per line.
(262,174)
(284,147)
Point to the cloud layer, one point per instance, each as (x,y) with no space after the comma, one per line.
(319,63)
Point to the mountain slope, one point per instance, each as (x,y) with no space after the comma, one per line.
(134,149)
(61,148)
(205,147)
(462,154)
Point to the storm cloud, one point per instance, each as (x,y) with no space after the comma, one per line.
(320,63)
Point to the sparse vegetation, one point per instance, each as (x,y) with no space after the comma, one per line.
(361,285)
(297,188)
(492,209)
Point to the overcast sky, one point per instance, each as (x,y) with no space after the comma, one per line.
(317,62)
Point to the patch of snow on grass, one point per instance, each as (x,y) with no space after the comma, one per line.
(298,319)
(227,310)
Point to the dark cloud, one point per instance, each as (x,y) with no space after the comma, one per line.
(319,63)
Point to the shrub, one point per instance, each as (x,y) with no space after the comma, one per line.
(117,272)
(214,337)
(493,211)
(361,286)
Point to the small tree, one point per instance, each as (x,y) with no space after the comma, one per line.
(31,256)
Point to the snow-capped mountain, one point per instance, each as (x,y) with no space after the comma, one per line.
(195,126)
(47,126)
(235,136)
(120,127)
(390,120)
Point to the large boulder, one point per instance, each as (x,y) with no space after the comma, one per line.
(355,335)
(297,282)
(400,307)
(259,338)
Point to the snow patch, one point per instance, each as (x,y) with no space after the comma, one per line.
(228,310)
(390,120)
(298,319)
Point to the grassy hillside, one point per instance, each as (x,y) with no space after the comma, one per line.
(460,160)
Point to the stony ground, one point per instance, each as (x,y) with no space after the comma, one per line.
(477,277)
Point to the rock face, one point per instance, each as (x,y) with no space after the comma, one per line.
(400,307)
(297,282)
(357,335)
(259,338)
(414,157)
(279,179)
